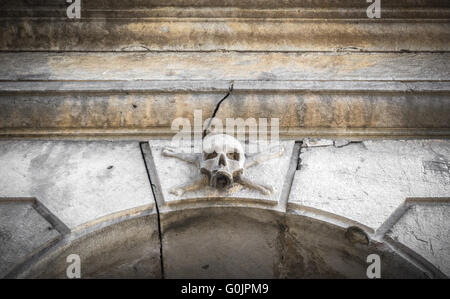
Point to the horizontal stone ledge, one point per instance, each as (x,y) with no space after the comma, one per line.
(152,4)
(232,12)
(411,233)
(166,132)
(226,66)
(187,34)
(133,87)
(156,110)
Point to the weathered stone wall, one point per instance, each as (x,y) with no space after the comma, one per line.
(333,204)
(127,69)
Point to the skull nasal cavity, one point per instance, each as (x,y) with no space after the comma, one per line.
(222,160)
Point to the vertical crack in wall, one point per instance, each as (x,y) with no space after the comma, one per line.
(145,151)
(299,158)
(216,109)
(281,270)
(144,146)
(289,179)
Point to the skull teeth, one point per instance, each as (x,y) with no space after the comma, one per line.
(220,180)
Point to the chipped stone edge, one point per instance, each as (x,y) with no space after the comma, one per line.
(328,217)
(47,216)
(41,209)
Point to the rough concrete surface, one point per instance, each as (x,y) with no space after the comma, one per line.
(23,232)
(426,230)
(366,181)
(78,182)
(232,34)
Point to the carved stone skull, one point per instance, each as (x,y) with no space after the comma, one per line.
(222,163)
(222,160)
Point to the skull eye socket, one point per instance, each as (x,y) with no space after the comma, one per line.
(211,155)
(233,156)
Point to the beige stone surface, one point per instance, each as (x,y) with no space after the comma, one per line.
(313,94)
(150,113)
(231,34)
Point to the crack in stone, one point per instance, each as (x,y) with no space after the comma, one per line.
(339,143)
(418,239)
(152,186)
(344,143)
(216,109)
(289,178)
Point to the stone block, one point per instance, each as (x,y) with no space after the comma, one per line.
(367,181)
(78,181)
(23,233)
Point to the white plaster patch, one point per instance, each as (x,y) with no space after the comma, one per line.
(366,181)
(78,181)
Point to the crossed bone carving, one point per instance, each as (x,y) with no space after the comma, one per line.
(223,163)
